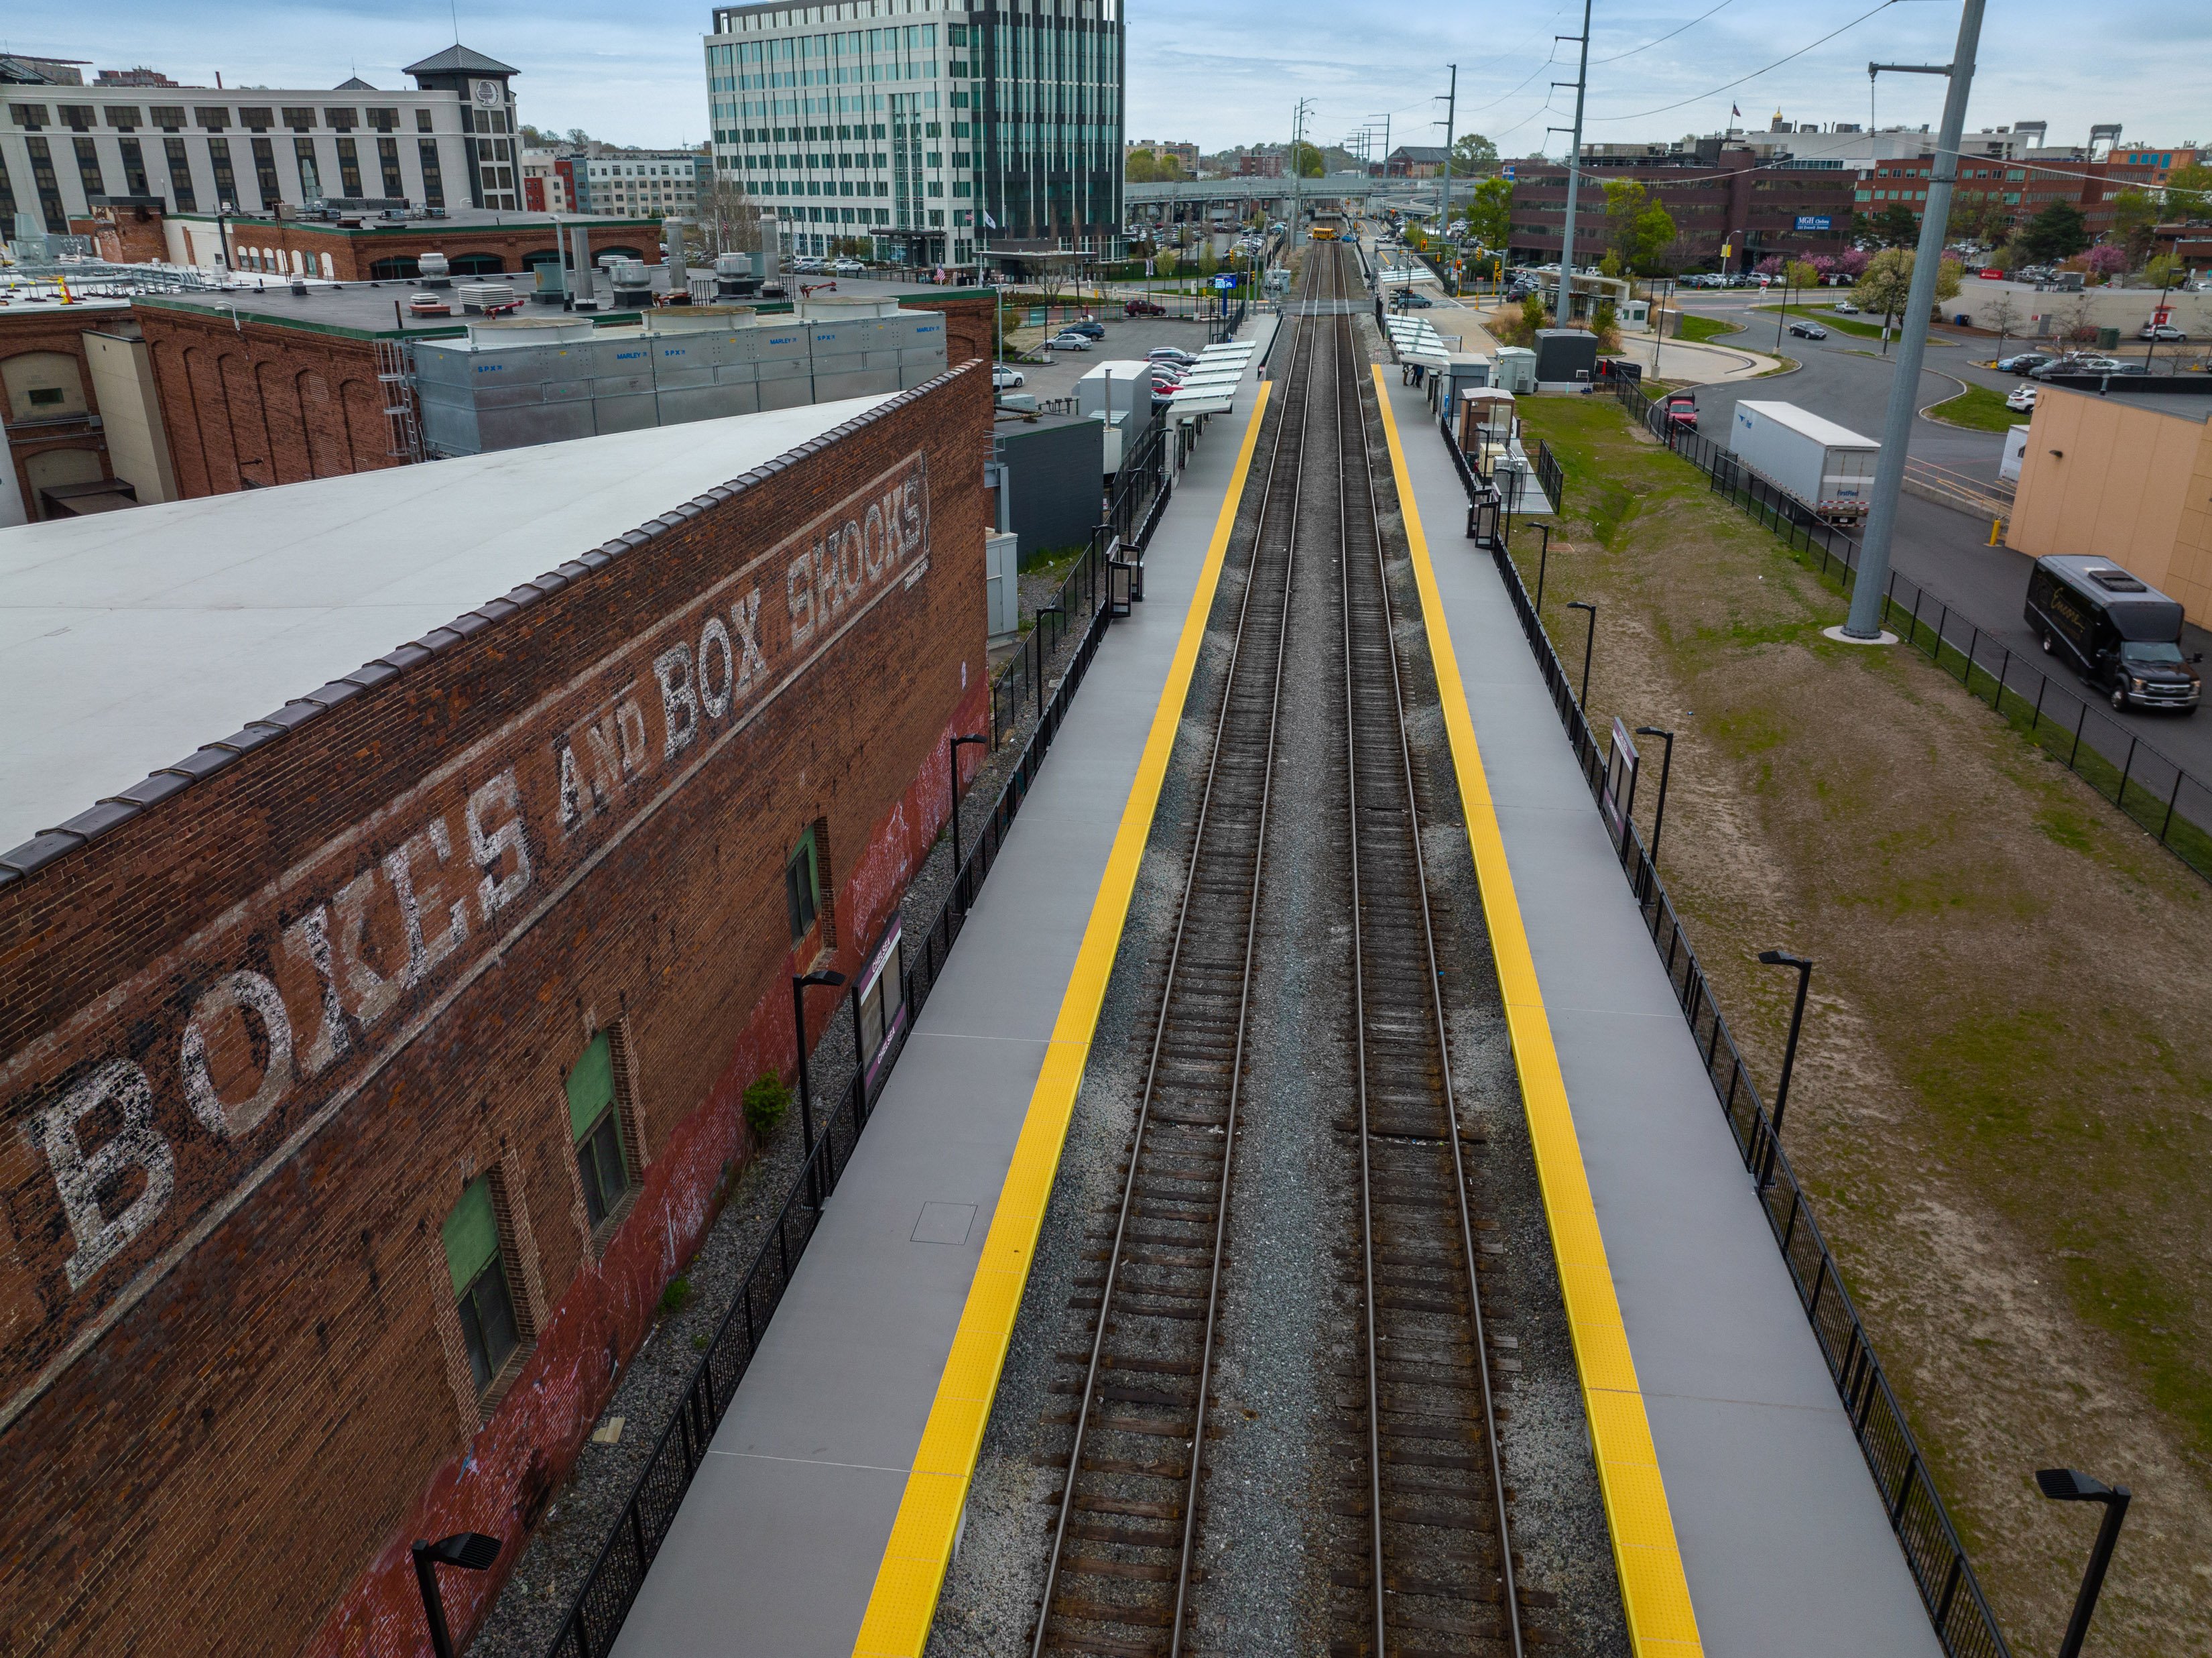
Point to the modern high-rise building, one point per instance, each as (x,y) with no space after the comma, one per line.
(939,130)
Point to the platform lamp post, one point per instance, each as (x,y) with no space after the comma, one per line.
(1590,647)
(1666,771)
(1784,959)
(1543,559)
(799,982)
(2065,1485)
(470,1552)
(952,747)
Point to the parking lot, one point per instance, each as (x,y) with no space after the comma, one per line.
(1125,338)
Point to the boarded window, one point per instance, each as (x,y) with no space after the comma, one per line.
(802,887)
(480,1293)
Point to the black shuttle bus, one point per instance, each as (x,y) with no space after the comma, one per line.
(2116,631)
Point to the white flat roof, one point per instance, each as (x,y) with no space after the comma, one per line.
(130,639)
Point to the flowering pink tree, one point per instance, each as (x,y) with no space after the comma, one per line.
(1854,264)
(1826,265)
(2107,260)
(1769,266)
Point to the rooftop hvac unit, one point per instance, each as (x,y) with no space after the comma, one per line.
(733,277)
(633,287)
(436,271)
(482,296)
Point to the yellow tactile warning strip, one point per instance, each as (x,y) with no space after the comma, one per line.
(1653,1591)
(904,1600)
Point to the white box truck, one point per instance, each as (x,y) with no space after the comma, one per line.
(1825,468)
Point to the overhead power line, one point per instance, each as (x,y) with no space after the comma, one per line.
(1741,80)
(1663,39)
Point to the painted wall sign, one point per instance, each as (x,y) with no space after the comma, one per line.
(208,1067)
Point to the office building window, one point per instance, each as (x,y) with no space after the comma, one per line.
(7,194)
(387,161)
(596,1123)
(422,120)
(343,119)
(210,120)
(170,118)
(30,116)
(124,117)
(384,120)
(311,174)
(87,167)
(181,175)
(134,168)
(348,169)
(483,1296)
(434,178)
(226,179)
(300,120)
(256,118)
(264,174)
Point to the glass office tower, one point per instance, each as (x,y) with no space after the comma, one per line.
(933,130)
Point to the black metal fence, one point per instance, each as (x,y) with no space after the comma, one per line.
(596,1615)
(2152,788)
(1953,1599)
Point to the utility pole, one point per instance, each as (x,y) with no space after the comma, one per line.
(1443,200)
(1297,138)
(1566,309)
(1864,624)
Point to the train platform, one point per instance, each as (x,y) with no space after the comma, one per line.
(828,1505)
(1784,1542)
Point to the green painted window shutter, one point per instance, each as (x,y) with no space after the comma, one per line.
(591,1085)
(472,1234)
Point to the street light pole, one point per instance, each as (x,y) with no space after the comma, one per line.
(1543,559)
(2065,1485)
(1589,646)
(952,746)
(1870,590)
(470,1552)
(1783,959)
(798,986)
(1666,770)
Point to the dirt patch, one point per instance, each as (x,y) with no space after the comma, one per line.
(2003,1104)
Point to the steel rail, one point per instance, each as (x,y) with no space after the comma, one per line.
(1348,382)
(1301,362)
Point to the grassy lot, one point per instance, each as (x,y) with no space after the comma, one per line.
(2003,1103)
(1979,407)
(1699,330)
(1827,319)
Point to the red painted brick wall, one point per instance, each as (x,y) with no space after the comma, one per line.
(219,1431)
(352,252)
(261,404)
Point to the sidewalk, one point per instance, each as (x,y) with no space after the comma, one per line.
(1785,1539)
(777,1545)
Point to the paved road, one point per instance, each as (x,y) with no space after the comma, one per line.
(1945,550)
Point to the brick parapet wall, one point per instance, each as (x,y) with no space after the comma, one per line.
(263,1356)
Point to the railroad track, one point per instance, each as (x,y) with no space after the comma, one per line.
(1420,1483)
(1119,1572)
(1420,1447)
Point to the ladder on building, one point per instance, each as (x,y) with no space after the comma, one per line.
(394,364)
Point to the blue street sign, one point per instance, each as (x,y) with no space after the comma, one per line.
(1509,172)
(1225,281)
(1814,222)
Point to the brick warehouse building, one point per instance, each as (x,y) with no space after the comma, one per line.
(245,388)
(369,1071)
(1722,199)
(475,241)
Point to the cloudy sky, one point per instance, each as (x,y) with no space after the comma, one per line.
(1228,71)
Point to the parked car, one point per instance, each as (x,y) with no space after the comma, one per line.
(1088,328)
(809,266)
(2162,332)
(2077,365)
(1681,410)
(1068,343)
(1808,331)
(1408,300)
(1143,308)
(847,266)
(1002,377)
(2021,362)
(1170,354)
(1844,308)
(2116,631)
(2024,397)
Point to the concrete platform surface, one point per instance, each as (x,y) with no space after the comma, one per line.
(1785,1542)
(778,1543)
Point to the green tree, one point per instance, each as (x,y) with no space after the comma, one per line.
(1642,228)
(1308,157)
(1886,284)
(1800,273)
(2134,216)
(2188,192)
(2057,233)
(1472,155)
(1490,214)
(1895,226)
(2163,272)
